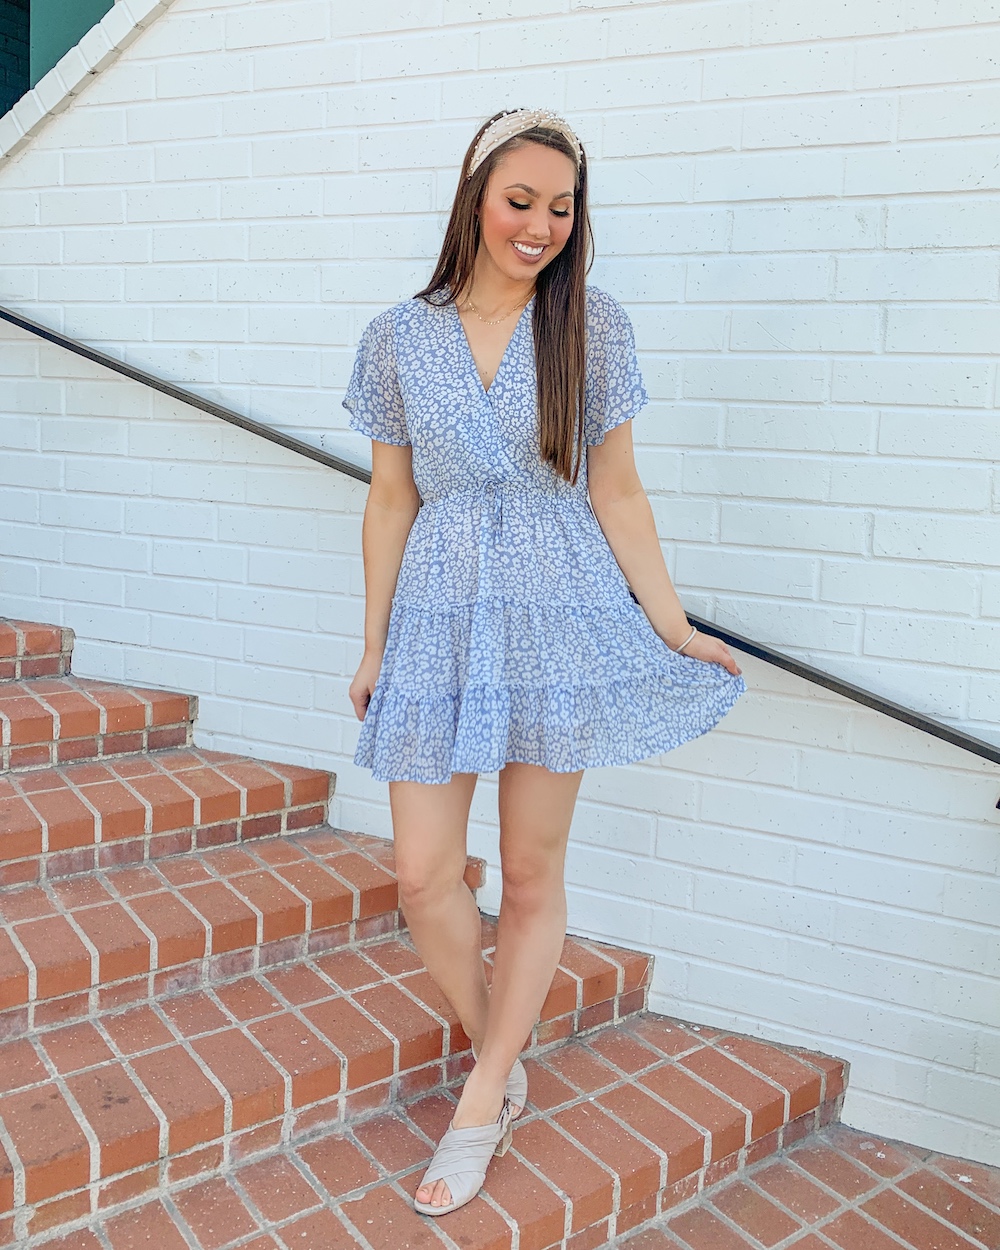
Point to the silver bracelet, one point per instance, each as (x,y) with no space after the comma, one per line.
(680,649)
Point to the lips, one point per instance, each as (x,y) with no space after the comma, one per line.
(526,251)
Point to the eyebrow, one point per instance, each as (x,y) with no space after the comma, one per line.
(564,195)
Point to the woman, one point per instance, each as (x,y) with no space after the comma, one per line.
(500,629)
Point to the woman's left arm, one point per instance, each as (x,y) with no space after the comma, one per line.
(619,502)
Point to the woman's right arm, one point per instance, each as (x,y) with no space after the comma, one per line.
(393,503)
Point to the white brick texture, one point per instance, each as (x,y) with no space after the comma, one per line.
(797,204)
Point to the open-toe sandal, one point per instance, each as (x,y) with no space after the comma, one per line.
(517,1086)
(461,1160)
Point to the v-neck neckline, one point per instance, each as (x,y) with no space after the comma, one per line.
(506,351)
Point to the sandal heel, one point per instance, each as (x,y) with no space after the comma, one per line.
(504,1144)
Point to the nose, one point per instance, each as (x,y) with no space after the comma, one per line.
(538,226)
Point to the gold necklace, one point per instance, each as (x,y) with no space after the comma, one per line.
(496,321)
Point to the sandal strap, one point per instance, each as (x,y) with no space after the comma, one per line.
(517,1082)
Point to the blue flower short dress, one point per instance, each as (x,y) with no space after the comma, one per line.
(512,634)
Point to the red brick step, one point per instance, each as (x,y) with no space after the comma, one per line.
(88,943)
(54,720)
(127,1100)
(601,1149)
(107,813)
(28,649)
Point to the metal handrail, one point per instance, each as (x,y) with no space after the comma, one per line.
(926,724)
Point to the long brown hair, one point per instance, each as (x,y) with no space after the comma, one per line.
(559,321)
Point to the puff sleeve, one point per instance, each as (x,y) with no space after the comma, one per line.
(614,390)
(373,395)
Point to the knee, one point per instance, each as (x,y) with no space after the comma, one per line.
(424,884)
(532,883)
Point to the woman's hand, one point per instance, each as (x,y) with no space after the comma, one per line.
(713,651)
(361,687)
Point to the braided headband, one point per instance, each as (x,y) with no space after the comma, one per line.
(515,122)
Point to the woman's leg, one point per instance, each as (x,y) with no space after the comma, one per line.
(536,808)
(430,824)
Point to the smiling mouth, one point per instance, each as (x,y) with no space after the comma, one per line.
(529,252)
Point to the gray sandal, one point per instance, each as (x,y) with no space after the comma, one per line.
(461,1159)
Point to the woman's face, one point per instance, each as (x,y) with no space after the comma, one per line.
(527,212)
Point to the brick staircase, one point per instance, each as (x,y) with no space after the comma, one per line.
(203,983)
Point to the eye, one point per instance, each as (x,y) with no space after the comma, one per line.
(564,213)
(515,204)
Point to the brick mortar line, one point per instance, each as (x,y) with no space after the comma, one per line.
(709,1134)
(271,869)
(386,1178)
(187,1045)
(988,1203)
(845,1203)
(292,1154)
(892,1183)
(186,1231)
(57,718)
(234,1180)
(395,1041)
(287,783)
(290,1111)
(785,1048)
(17,1167)
(124,1062)
(664,1155)
(39,817)
(296,1011)
(717,1043)
(632,1078)
(616,1180)
(29,964)
(175,777)
(355,895)
(567,1201)
(705,1194)
(817,1226)
(146,804)
(165,888)
(446,1027)
(154,946)
(282,1072)
(91,990)
(88,1130)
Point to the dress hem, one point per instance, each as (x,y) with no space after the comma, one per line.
(365,754)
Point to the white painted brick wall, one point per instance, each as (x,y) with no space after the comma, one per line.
(797,203)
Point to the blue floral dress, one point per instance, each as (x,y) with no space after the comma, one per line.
(513,634)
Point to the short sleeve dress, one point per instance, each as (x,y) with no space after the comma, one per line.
(513,634)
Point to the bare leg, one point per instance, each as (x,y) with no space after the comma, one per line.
(536,808)
(430,824)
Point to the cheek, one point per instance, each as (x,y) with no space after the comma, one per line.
(561,230)
(499,223)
